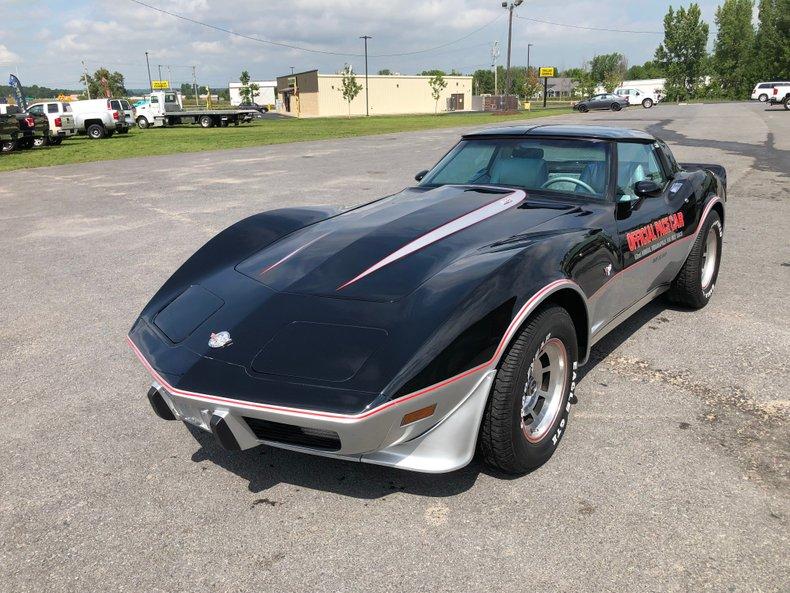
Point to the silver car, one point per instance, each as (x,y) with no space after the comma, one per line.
(602,101)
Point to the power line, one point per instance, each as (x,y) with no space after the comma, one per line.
(545,22)
(307,49)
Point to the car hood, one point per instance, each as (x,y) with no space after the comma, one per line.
(385,250)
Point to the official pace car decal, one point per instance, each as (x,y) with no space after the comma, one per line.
(655,235)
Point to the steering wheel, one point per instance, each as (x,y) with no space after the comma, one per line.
(571,180)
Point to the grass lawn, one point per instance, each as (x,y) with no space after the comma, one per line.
(156,141)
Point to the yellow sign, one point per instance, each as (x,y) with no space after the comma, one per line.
(546,72)
(160,84)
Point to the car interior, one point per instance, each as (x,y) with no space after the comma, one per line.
(566,165)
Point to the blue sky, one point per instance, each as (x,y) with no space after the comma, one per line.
(50,38)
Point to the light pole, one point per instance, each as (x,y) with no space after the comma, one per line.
(367,104)
(148,65)
(160,71)
(494,58)
(509,8)
(529,45)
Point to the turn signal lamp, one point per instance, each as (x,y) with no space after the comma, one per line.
(420,414)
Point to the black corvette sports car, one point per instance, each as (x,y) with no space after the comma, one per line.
(410,330)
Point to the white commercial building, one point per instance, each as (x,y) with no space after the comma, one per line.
(263,96)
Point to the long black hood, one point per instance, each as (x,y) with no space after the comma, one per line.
(384,250)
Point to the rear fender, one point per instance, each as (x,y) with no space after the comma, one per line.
(717,170)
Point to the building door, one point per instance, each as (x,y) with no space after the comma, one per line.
(457,102)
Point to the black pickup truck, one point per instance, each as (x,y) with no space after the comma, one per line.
(28,127)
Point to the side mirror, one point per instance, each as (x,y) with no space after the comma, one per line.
(420,175)
(647,188)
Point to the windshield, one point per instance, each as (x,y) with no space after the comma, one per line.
(554,164)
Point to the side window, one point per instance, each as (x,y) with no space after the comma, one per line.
(636,162)
(52,107)
(36,110)
(154,99)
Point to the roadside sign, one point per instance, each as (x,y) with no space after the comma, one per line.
(160,84)
(547,72)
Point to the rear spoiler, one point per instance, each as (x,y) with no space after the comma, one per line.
(717,170)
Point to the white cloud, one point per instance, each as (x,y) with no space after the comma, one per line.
(7,56)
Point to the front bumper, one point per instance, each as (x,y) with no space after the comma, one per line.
(442,442)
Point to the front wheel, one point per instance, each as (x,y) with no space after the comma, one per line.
(583,108)
(647,103)
(786,103)
(527,411)
(696,280)
(142,123)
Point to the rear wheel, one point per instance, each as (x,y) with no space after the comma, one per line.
(123,130)
(142,123)
(96,131)
(696,280)
(786,103)
(8,146)
(56,141)
(616,107)
(762,98)
(527,410)
(40,141)
(206,121)
(647,103)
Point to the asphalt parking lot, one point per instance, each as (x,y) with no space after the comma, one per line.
(673,475)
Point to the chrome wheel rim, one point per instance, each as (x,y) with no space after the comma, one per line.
(709,257)
(543,390)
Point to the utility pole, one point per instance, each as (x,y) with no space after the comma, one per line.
(292,69)
(87,86)
(148,65)
(367,97)
(494,58)
(194,87)
(160,71)
(510,8)
(169,76)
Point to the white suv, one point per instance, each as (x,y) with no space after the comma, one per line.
(762,90)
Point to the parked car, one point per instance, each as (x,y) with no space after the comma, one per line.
(639,97)
(61,121)
(762,90)
(122,105)
(602,101)
(31,127)
(407,331)
(261,109)
(98,119)
(780,93)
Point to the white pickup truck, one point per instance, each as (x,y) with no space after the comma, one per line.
(639,96)
(98,119)
(61,121)
(164,108)
(780,94)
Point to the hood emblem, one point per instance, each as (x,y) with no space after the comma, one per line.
(219,340)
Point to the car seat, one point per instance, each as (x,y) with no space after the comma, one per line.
(524,168)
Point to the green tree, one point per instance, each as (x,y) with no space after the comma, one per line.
(437,84)
(648,70)
(433,73)
(248,89)
(733,49)
(572,73)
(682,55)
(96,83)
(385,72)
(349,86)
(585,83)
(483,82)
(532,84)
(609,70)
(772,50)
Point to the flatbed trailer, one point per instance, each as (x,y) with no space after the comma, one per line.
(164,108)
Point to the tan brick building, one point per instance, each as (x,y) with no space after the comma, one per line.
(320,95)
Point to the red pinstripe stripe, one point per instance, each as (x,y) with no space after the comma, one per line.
(514,324)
